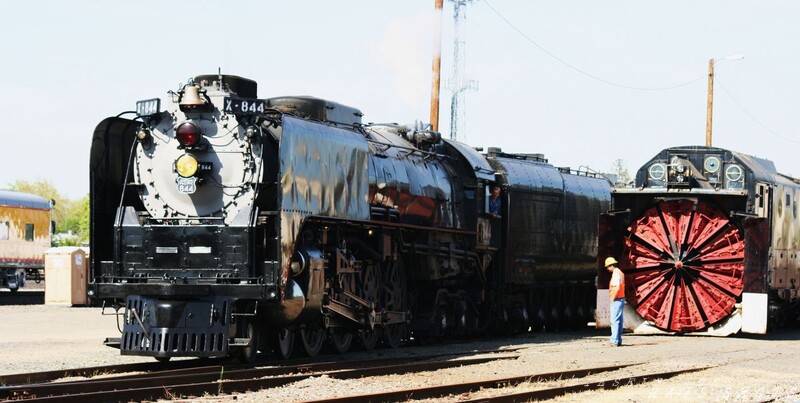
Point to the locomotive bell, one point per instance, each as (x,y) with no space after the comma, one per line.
(191,100)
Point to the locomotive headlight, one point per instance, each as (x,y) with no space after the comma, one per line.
(712,164)
(657,171)
(734,173)
(186,165)
(734,177)
(145,138)
(188,134)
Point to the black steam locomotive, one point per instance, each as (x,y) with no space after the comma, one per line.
(223,224)
(709,241)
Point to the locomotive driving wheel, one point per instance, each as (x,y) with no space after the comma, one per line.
(396,294)
(283,340)
(342,337)
(248,353)
(685,262)
(370,291)
(312,339)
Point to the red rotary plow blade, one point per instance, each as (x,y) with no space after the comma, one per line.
(683,263)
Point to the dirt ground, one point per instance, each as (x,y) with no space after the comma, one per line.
(741,368)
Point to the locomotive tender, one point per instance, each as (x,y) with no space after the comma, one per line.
(224,224)
(708,241)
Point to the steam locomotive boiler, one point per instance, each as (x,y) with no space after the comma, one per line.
(708,241)
(224,224)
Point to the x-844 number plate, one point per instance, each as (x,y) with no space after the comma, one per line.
(245,106)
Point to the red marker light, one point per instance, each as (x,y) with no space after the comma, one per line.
(188,134)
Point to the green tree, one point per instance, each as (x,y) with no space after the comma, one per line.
(77,219)
(41,187)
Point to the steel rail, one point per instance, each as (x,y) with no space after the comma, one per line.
(160,385)
(46,376)
(460,388)
(189,365)
(539,394)
(606,384)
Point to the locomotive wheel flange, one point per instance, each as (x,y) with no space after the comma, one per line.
(684,265)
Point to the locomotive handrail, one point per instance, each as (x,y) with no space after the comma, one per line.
(187,218)
(411,150)
(673,191)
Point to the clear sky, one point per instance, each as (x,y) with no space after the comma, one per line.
(574,80)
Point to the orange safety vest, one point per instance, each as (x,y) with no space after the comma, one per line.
(617,276)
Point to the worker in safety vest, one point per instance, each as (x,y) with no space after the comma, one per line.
(616,295)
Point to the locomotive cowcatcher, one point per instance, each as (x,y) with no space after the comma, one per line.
(708,240)
(223,224)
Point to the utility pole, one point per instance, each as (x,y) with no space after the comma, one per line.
(710,104)
(437,66)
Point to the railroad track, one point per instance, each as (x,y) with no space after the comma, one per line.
(504,385)
(218,379)
(21,297)
(264,360)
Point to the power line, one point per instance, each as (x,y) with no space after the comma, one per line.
(725,90)
(592,76)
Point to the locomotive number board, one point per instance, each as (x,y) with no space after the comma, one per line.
(245,106)
(148,107)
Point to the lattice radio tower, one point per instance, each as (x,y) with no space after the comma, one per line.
(458,84)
